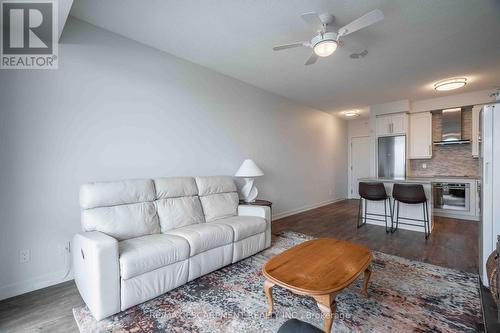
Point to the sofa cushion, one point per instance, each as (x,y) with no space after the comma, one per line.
(205,236)
(147,253)
(174,187)
(123,221)
(218,206)
(105,194)
(121,209)
(218,196)
(244,226)
(215,184)
(179,212)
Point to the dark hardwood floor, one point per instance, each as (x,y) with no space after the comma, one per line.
(45,310)
(453,243)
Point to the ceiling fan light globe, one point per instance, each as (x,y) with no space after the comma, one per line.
(325,48)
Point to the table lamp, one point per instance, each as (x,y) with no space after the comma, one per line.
(249,170)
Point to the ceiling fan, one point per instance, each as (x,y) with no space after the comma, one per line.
(327,40)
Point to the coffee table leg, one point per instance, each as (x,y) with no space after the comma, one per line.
(268,285)
(368,273)
(327,305)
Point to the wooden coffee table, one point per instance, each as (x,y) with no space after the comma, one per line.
(320,268)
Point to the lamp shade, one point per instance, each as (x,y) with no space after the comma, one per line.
(249,169)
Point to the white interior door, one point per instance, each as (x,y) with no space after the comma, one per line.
(360,162)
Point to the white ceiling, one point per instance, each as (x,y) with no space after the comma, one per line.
(418,43)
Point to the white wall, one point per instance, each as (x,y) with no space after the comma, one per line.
(116,109)
(390,107)
(358,127)
(456,100)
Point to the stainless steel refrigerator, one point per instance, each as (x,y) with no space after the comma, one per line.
(392,157)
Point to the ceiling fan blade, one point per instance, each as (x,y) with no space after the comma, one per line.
(368,19)
(289,46)
(313,20)
(312,59)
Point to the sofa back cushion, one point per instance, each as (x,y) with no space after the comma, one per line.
(218,196)
(121,209)
(177,202)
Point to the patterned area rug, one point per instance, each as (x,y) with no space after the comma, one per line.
(405,296)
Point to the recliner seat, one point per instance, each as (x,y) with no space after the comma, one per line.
(143,238)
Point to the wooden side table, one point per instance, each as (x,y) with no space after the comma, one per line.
(259,202)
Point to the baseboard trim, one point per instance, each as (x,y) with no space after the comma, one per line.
(305,208)
(457,216)
(26,286)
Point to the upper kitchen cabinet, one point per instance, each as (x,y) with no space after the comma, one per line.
(420,136)
(476,136)
(399,122)
(383,125)
(391,124)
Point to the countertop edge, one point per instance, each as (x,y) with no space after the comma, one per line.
(418,180)
(390,180)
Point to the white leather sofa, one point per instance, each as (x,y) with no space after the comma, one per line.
(143,238)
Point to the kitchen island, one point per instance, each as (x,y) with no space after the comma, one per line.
(406,211)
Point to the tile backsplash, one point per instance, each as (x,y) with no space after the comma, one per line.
(449,160)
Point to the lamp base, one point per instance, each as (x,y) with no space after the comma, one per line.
(249,191)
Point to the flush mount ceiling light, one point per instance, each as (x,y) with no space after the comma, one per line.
(450,84)
(351,114)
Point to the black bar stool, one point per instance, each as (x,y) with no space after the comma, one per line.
(411,194)
(373,192)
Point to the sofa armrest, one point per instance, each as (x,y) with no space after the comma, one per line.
(258,211)
(97,272)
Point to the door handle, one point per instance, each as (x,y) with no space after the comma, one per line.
(486,169)
(430,150)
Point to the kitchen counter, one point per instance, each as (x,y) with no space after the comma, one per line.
(448,177)
(422,179)
(472,212)
(414,180)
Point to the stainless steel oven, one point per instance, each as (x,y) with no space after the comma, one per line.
(452,196)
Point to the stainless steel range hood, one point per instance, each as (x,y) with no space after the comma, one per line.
(451,129)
